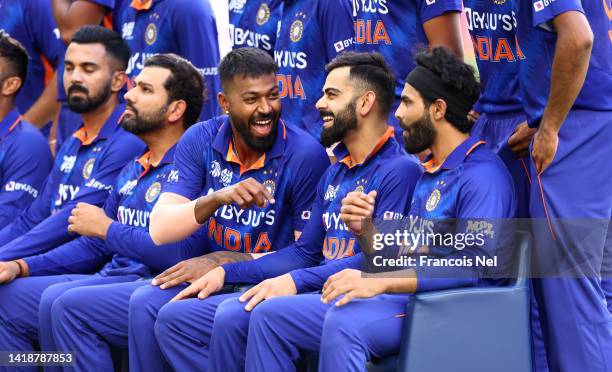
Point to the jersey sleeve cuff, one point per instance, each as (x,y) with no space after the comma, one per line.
(113,233)
(34,264)
(298,280)
(543,17)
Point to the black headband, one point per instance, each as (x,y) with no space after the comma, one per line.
(431,87)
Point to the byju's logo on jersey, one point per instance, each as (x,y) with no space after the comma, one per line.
(127,31)
(68,164)
(215,169)
(331,192)
(538,5)
(343,44)
(236,5)
(263,14)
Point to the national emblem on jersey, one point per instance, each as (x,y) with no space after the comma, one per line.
(297,28)
(150,34)
(433,200)
(88,168)
(270,185)
(153,192)
(215,169)
(263,14)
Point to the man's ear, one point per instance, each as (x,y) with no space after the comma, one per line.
(367,102)
(118,80)
(223,102)
(176,110)
(437,110)
(11,85)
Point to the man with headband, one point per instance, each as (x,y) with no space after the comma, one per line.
(463,180)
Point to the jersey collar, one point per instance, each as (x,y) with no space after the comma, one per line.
(107,129)
(456,157)
(146,166)
(342,153)
(10,121)
(223,144)
(137,5)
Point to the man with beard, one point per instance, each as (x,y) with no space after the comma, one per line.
(463,180)
(357,97)
(249,178)
(88,163)
(52,288)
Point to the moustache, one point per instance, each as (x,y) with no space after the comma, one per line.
(77,88)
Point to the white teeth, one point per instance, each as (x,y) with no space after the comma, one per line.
(328,118)
(263,122)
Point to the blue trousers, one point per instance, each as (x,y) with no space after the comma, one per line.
(345,337)
(27,306)
(576,322)
(88,320)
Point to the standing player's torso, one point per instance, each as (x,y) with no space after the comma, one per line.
(538,44)
(392,28)
(492,25)
(301,54)
(254,23)
(13,20)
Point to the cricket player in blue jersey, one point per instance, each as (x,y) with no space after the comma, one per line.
(254,23)
(312,33)
(463,179)
(247,180)
(25,159)
(31,23)
(566,90)
(166,100)
(396,28)
(87,165)
(357,97)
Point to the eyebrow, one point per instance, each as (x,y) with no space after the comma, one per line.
(331,90)
(142,83)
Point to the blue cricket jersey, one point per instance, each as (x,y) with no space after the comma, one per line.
(537,38)
(84,171)
(254,23)
(327,245)
(25,161)
(31,23)
(290,170)
(492,26)
(312,33)
(128,248)
(394,28)
(471,184)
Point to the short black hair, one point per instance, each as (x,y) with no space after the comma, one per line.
(16,57)
(371,70)
(455,73)
(113,43)
(250,62)
(184,83)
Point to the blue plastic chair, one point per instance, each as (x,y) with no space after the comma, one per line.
(478,329)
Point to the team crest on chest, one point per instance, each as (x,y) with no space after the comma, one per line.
(433,200)
(150,34)
(296,31)
(88,168)
(270,185)
(263,14)
(153,192)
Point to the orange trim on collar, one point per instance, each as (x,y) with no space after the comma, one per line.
(474,146)
(144,162)
(348,160)
(136,4)
(231,156)
(81,135)
(15,123)
(430,166)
